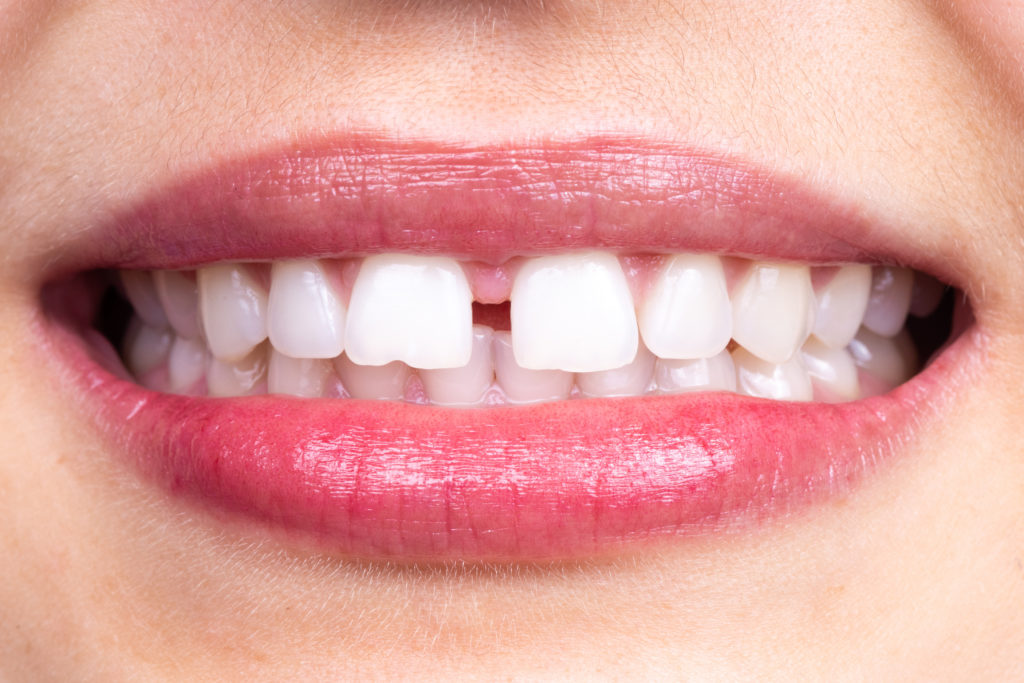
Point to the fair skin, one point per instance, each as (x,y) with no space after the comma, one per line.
(910,109)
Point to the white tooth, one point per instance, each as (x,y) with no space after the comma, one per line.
(416,309)
(380,382)
(141,292)
(233,306)
(146,347)
(465,385)
(773,310)
(891,288)
(841,305)
(179,295)
(926,295)
(305,316)
(186,364)
(521,385)
(633,379)
(686,313)
(786,381)
(700,374)
(239,378)
(890,361)
(297,376)
(573,312)
(832,371)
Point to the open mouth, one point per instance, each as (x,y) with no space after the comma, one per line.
(424,352)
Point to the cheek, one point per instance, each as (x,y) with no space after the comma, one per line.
(996,27)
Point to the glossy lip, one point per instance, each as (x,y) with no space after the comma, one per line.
(560,480)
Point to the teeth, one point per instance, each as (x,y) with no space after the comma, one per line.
(380,382)
(465,385)
(306,318)
(527,386)
(239,378)
(717,373)
(186,364)
(415,309)
(832,371)
(890,300)
(841,305)
(786,381)
(686,313)
(146,347)
(629,380)
(297,376)
(141,292)
(772,310)
(233,306)
(889,361)
(573,312)
(179,296)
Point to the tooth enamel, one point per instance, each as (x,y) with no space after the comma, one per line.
(297,376)
(146,347)
(416,309)
(239,378)
(686,313)
(233,306)
(465,385)
(633,379)
(186,364)
(380,382)
(141,292)
(832,372)
(573,312)
(700,374)
(891,288)
(179,296)
(890,361)
(925,295)
(305,316)
(786,381)
(841,305)
(773,310)
(521,385)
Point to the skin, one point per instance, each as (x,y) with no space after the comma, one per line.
(910,109)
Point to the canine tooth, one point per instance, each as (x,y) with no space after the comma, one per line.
(787,381)
(686,312)
(146,347)
(233,306)
(889,360)
(699,374)
(380,382)
(632,379)
(465,385)
(925,295)
(522,385)
(891,288)
(141,292)
(832,371)
(297,376)
(416,309)
(179,295)
(186,364)
(573,312)
(841,305)
(238,378)
(305,316)
(773,310)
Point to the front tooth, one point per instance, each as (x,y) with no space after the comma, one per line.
(686,313)
(521,385)
(416,309)
(787,381)
(890,361)
(465,385)
(891,288)
(297,376)
(573,312)
(305,316)
(186,364)
(717,373)
(239,378)
(146,347)
(773,310)
(179,295)
(841,305)
(630,380)
(233,306)
(141,292)
(379,382)
(832,371)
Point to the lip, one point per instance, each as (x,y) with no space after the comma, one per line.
(553,481)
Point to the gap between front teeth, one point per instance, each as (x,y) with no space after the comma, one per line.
(582,325)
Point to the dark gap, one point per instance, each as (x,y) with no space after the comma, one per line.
(495,316)
(930,333)
(112,316)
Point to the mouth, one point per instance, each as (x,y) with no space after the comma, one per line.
(422,352)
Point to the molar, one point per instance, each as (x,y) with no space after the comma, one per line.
(179,296)
(891,288)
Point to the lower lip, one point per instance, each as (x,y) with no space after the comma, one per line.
(560,480)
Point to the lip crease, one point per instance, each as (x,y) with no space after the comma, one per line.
(560,480)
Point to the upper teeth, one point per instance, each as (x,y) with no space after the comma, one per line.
(577,319)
